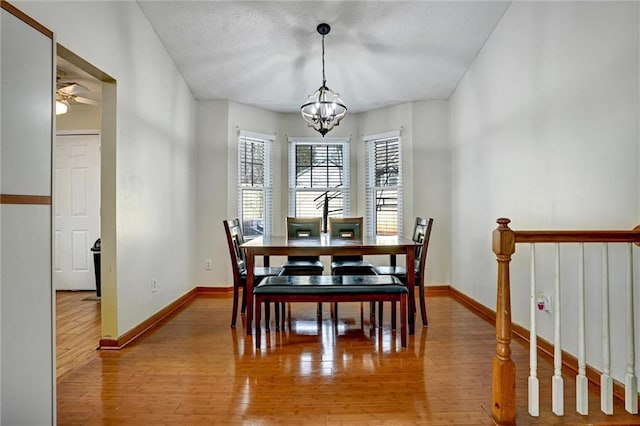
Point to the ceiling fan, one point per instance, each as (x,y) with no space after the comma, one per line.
(70,93)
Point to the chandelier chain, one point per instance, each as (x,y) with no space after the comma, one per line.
(324,80)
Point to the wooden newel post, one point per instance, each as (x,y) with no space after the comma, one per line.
(504,370)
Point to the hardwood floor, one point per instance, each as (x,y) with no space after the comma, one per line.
(195,370)
(77,329)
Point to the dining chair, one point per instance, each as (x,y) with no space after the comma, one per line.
(235,239)
(421,235)
(349,228)
(300,228)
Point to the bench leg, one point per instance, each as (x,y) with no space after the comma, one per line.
(267,316)
(393,315)
(372,315)
(403,320)
(257,315)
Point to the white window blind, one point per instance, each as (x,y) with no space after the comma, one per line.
(383,184)
(255,184)
(318,174)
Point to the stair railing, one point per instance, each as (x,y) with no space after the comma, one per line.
(504,369)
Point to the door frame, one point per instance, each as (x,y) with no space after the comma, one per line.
(108,172)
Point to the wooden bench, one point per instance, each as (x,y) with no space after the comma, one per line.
(331,288)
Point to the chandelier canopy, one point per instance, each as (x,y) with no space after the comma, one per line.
(324,108)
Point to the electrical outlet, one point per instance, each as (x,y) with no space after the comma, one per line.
(154,285)
(207,264)
(543,303)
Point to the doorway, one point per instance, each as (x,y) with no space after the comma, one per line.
(85,130)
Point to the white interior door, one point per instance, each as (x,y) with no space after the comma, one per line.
(77,210)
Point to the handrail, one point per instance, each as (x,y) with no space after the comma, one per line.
(577,236)
(504,245)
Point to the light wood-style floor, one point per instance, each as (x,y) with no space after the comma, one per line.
(77,329)
(195,370)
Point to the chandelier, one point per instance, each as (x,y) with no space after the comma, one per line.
(324,109)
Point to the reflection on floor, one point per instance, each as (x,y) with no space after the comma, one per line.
(194,369)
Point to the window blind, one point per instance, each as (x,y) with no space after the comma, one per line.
(318,174)
(255,184)
(383,178)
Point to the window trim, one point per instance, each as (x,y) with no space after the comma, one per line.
(267,187)
(346,171)
(370,189)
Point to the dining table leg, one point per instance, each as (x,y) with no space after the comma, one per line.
(249,291)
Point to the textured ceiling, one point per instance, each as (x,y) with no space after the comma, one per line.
(268,54)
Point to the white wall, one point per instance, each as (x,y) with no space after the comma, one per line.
(544,130)
(432,183)
(83,117)
(156,149)
(426,162)
(218,125)
(213,127)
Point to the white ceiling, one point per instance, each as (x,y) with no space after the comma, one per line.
(268,53)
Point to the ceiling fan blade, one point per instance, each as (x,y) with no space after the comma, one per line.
(87,101)
(74,89)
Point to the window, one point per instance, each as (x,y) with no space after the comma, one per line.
(383,184)
(255,206)
(318,176)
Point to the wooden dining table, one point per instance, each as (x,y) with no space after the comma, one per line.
(326,246)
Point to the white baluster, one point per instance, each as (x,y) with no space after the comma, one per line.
(630,380)
(582,402)
(533,343)
(557,383)
(606,382)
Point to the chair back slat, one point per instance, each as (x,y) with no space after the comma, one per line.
(422,235)
(234,240)
(419,228)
